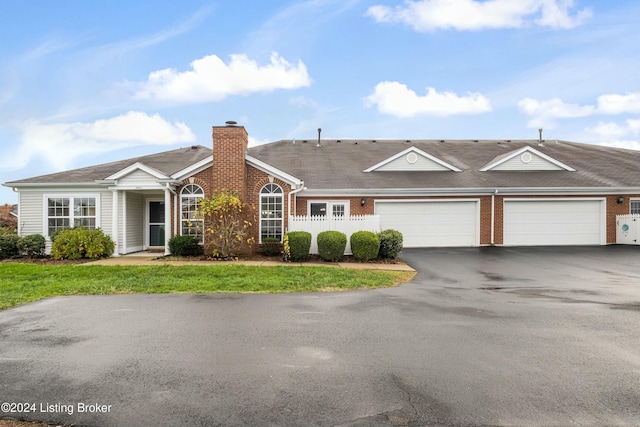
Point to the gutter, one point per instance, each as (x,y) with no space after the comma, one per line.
(294,192)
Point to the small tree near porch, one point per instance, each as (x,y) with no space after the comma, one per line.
(228,221)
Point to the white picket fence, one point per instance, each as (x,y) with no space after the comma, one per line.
(628,229)
(345,224)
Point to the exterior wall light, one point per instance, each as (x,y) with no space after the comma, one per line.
(363,201)
(620,200)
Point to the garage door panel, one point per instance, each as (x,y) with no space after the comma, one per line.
(553,222)
(431,223)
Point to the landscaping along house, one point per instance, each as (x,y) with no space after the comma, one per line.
(436,192)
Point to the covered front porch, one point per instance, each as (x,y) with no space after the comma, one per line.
(142,220)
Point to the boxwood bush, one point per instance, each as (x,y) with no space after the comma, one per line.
(184,246)
(270,246)
(331,245)
(32,245)
(299,245)
(9,246)
(79,243)
(364,245)
(390,243)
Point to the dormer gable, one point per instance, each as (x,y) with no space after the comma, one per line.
(526,159)
(412,160)
(138,169)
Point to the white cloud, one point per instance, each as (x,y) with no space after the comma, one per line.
(618,104)
(61,144)
(608,130)
(634,126)
(210,79)
(429,15)
(615,135)
(543,113)
(257,141)
(397,99)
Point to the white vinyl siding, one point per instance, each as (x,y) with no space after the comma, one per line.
(412,162)
(31,213)
(548,222)
(432,223)
(135,222)
(138,178)
(536,163)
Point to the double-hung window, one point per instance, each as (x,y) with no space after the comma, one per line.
(70,212)
(192,225)
(635,206)
(271,211)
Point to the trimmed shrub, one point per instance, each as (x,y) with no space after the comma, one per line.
(390,243)
(79,243)
(364,245)
(331,245)
(270,246)
(184,246)
(299,245)
(32,245)
(9,246)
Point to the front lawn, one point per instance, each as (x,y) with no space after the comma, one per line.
(23,283)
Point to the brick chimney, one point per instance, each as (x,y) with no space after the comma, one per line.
(229,148)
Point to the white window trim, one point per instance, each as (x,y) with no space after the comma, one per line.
(145,232)
(631,200)
(330,204)
(260,195)
(70,196)
(181,220)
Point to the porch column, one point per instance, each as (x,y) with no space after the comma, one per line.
(167,220)
(115,222)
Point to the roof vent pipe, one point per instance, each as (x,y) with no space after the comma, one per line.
(318,144)
(540,138)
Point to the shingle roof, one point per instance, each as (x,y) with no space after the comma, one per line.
(339,164)
(167,162)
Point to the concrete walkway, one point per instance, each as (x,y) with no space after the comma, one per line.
(147,258)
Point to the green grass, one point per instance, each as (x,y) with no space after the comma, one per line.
(23,283)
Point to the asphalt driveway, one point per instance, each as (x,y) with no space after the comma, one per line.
(481,337)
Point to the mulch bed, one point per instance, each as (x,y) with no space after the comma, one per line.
(46,260)
(261,257)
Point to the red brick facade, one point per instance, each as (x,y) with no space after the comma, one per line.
(230,172)
(229,167)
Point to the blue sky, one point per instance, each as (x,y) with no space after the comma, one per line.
(83,83)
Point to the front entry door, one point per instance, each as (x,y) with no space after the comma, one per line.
(156,223)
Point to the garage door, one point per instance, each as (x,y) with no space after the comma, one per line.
(436,223)
(553,222)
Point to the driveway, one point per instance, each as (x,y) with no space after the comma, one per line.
(481,337)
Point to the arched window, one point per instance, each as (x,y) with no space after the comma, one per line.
(190,224)
(271,210)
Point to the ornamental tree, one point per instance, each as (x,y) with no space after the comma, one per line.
(228,221)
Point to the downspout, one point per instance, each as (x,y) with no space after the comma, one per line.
(289,198)
(493,217)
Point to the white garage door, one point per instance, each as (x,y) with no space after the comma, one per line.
(433,223)
(553,222)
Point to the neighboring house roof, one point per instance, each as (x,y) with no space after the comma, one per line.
(343,164)
(167,163)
